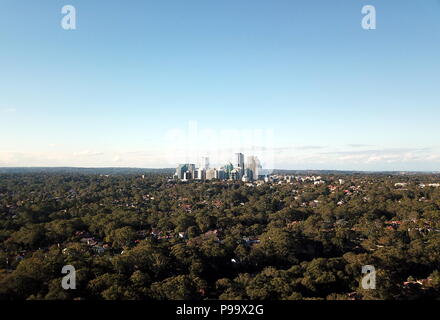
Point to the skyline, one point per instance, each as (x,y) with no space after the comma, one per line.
(112,93)
(237,169)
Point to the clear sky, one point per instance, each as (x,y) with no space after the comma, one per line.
(151,83)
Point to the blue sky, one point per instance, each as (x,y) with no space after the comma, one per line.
(116,91)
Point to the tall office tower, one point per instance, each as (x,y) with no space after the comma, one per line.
(180,171)
(253,164)
(204,164)
(239,160)
(191,169)
(239,164)
(201,174)
(258,169)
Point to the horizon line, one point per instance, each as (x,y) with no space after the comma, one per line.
(170,168)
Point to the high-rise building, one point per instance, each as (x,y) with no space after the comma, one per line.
(191,167)
(204,163)
(248,175)
(235,174)
(210,174)
(220,174)
(201,174)
(239,160)
(183,168)
(239,164)
(187,176)
(180,171)
(238,170)
(253,164)
(228,168)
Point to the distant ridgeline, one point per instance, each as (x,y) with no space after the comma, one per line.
(113,171)
(347,172)
(119,171)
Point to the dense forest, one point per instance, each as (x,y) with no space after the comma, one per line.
(146,236)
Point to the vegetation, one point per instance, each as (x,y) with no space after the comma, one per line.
(134,237)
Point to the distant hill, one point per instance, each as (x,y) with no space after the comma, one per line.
(109,171)
(114,171)
(346,172)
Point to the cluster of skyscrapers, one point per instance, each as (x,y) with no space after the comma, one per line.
(236,170)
